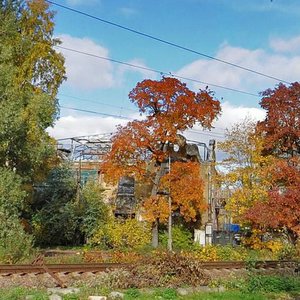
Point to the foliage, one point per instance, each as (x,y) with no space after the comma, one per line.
(247,175)
(169,293)
(122,234)
(56,219)
(281,125)
(31,72)
(217,253)
(133,293)
(186,191)
(281,209)
(182,238)
(167,270)
(21,293)
(15,244)
(96,212)
(287,252)
(274,284)
(11,194)
(140,149)
(65,215)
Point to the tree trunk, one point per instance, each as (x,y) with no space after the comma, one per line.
(154,191)
(155,234)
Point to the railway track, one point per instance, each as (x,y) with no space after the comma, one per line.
(100,267)
(58,270)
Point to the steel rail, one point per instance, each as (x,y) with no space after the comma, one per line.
(58,268)
(99,267)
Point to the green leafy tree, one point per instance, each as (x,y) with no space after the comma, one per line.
(56,219)
(60,216)
(31,72)
(96,213)
(247,174)
(11,194)
(15,244)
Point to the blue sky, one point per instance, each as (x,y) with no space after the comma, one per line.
(262,35)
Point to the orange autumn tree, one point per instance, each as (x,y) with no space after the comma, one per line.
(186,189)
(281,132)
(282,209)
(141,148)
(281,127)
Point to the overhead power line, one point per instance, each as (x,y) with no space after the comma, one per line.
(131,119)
(128,109)
(157,71)
(97,102)
(96,112)
(167,42)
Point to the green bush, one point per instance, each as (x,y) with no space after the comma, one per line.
(133,293)
(287,252)
(95,212)
(122,235)
(168,294)
(228,253)
(11,194)
(182,239)
(276,284)
(15,244)
(21,292)
(56,215)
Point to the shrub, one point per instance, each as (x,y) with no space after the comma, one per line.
(11,195)
(56,218)
(122,235)
(274,284)
(166,270)
(181,238)
(169,294)
(133,293)
(95,212)
(15,244)
(231,253)
(288,251)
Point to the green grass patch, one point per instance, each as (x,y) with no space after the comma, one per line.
(20,293)
(171,294)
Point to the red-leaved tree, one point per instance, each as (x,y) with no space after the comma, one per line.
(281,133)
(281,127)
(282,208)
(141,148)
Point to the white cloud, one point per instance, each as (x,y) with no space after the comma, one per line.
(78,125)
(275,64)
(282,45)
(72,126)
(234,114)
(94,71)
(85,72)
(231,115)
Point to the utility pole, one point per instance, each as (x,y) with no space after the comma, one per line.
(170,210)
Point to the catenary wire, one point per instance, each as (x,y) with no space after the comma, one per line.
(167,42)
(131,119)
(123,108)
(156,71)
(97,102)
